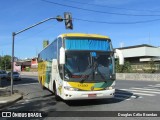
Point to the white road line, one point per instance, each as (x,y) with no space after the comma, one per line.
(155,85)
(26,84)
(156,90)
(144,91)
(135,93)
(139,92)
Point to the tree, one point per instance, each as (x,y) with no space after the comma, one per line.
(5,62)
(150,67)
(126,68)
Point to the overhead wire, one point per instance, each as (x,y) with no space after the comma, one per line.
(92,4)
(105,22)
(97,11)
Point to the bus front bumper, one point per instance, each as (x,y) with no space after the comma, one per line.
(78,95)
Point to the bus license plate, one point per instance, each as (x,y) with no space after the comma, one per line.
(92,95)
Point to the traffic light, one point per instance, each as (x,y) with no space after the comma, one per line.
(68,20)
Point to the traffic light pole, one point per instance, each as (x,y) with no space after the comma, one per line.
(16,33)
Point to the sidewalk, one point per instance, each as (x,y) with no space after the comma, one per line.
(6,98)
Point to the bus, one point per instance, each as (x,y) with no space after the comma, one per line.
(78,66)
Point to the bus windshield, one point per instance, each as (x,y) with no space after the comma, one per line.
(88,67)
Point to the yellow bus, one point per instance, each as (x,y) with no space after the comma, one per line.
(78,66)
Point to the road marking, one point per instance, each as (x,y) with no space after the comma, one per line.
(135,93)
(26,84)
(145,91)
(156,90)
(155,85)
(139,92)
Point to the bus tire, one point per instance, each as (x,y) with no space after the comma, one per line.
(57,98)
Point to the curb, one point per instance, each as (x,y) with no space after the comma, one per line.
(9,100)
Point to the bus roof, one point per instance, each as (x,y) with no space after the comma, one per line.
(83,35)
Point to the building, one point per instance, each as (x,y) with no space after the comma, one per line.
(26,65)
(34,63)
(141,55)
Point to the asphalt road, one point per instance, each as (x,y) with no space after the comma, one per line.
(130,96)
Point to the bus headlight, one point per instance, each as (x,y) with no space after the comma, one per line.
(110,88)
(70,88)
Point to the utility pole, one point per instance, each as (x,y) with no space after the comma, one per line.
(58,18)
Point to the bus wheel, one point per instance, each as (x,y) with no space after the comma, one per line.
(57,98)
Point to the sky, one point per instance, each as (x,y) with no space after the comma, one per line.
(126,22)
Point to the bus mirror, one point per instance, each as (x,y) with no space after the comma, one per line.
(62,56)
(120,56)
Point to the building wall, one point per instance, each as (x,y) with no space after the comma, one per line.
(139,57)
(133,52)
(152,51)
(141,51)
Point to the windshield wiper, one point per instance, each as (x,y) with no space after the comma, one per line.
(85,76)
(94,71)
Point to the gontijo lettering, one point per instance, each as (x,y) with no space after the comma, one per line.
(82,85)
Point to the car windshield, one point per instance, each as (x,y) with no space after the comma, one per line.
(88,66)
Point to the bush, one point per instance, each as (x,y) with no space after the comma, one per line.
(150,67)
(126,68)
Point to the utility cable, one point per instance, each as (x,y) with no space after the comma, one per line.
(92,4)
(105,22)
(97,11)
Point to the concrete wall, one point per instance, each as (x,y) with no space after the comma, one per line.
(138,76)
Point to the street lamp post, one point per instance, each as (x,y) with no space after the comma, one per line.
(59,18)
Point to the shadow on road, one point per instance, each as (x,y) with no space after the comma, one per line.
(120,95)
(24,80)
(34,105)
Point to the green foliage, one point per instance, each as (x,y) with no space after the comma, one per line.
(150,67)
(5,62)
(126,68)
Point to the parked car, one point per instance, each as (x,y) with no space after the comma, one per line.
(16,76)
(3,74)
